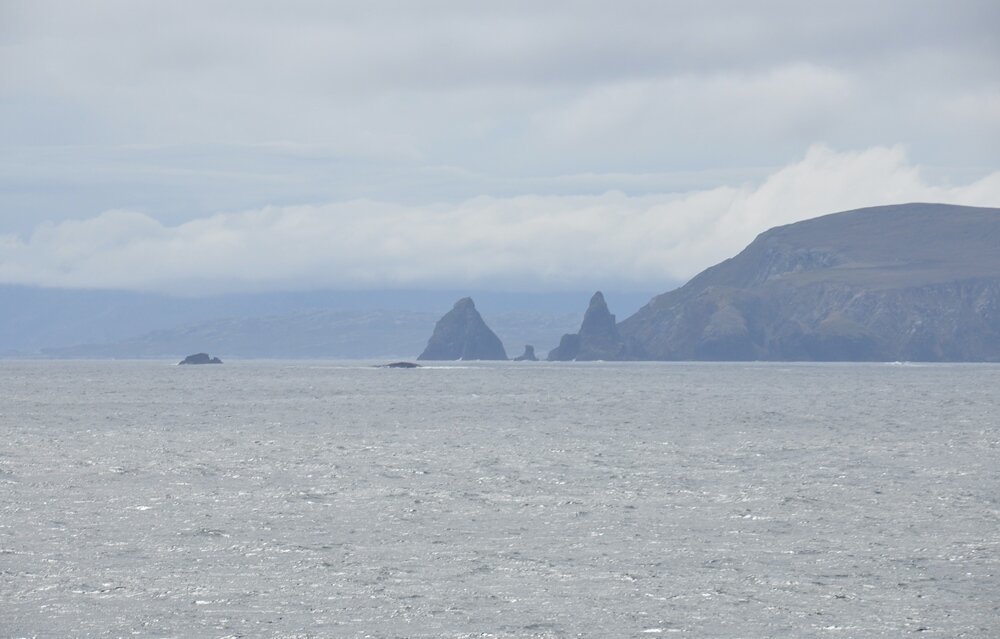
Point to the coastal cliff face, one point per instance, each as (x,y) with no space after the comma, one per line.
(915,282)
(598,338)
(462,334)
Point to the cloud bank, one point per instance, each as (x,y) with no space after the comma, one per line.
(524,242)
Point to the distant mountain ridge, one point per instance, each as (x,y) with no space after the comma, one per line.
(313,334)
(67,323)
(916,282)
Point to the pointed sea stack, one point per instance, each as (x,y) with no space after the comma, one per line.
(528,355)
(598,338)
(462,334)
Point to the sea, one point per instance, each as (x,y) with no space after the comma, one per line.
(337,499)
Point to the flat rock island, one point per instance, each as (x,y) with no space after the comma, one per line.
(199,358)
(399,365)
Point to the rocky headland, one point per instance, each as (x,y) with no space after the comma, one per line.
(911,282)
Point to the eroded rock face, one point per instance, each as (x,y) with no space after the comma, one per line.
(914,282)
(569,346)
(463,335)
(200,358)
(598,338)
(528,355)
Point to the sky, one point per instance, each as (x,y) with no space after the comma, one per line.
(233,146)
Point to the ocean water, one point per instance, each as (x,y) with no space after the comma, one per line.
(326,499)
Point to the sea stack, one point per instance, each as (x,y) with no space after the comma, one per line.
(598,338)
(528,355)
(462,334)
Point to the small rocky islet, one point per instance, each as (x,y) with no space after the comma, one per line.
(199,358)
(528,355)
(399,365)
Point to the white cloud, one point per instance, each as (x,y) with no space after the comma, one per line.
(525,242)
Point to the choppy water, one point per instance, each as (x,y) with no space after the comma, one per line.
(307,499)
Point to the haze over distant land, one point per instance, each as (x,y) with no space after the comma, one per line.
(314,324)
(902,282)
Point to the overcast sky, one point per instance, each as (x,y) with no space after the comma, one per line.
(520,145)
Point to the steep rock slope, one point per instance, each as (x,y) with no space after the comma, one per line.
(462,334)
(918,282)
(598,338)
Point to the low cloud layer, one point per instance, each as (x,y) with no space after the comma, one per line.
(525,242)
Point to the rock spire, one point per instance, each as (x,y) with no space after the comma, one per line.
(462,334)
(598,338)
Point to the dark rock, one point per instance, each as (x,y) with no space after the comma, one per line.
(200,358)
(462,334)
(912,282)
(400,365)
(528,355)
(569,346)
(598,338)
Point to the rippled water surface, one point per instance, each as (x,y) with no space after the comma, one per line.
(305,499)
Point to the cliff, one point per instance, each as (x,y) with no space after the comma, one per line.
(912,282)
